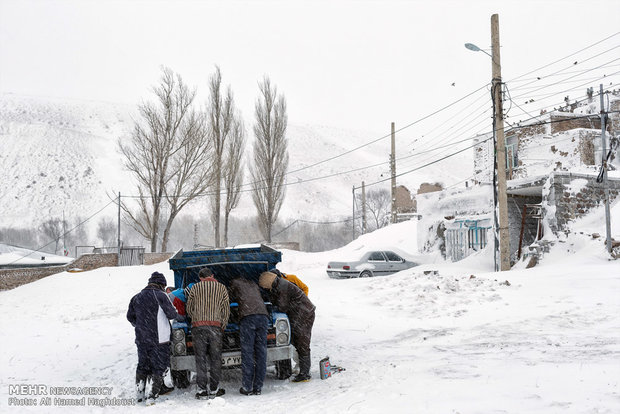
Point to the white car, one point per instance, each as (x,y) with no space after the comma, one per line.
(373,263)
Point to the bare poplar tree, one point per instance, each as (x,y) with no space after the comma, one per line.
(221,111)
(233,171)
(156,150)
(270,161)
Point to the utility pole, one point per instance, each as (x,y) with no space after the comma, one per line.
(393,173)
(64,231)
(364,227)
(118,228)
(604,167)
(353,217)
(195,235)
(500,147)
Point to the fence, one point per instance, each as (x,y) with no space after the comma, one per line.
(131,256)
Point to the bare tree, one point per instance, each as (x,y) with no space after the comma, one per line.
(107,232)
(378,204)
(53,230)
(270,156)
(194,172)
(233,171)
(153,152)
(221,114)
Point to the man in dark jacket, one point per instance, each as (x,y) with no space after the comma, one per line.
(292,300)
(253,332)
(208,307)
(149,312)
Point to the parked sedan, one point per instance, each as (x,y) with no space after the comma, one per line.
(374,263)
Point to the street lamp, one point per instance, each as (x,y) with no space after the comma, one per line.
(475,48)
(501,199)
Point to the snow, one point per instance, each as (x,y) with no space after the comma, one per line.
(20,256)
(438,338)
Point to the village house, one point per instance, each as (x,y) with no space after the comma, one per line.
(552,165)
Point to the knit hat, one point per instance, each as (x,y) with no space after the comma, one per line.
(158,279)
(266,280)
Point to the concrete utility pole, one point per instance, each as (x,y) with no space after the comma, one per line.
(364,227)
(393,173)
(604,167)
(500,148)
(118,228)
(353,217)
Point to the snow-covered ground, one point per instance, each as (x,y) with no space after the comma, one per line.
(463,340)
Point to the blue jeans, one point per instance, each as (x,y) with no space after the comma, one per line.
(253,351)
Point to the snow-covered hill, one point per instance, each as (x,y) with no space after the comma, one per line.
(60,155)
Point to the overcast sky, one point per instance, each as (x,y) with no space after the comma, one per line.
(351,64)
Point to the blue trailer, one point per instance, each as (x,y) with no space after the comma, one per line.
(227,264)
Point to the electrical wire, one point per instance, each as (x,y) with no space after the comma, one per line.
(565,57)
(65,233)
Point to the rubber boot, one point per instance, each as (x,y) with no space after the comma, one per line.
(140,385)
(155,388)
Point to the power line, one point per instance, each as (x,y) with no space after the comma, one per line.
(563,80)
(565,57)
(64,234)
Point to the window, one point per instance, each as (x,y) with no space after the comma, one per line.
(477,238)
(393,257)
(376,257)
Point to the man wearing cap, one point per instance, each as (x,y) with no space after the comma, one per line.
(292,300)
(209,308)
(149,312)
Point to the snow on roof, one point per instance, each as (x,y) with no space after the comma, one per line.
(13,255)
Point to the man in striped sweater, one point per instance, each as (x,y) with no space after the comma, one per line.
(208,306)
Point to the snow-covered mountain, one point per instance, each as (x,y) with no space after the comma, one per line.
(58,155)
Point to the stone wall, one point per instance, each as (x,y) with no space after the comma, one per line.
(572,203)
(404,203)
(152,258)
(94,261)
(562,122)
(12,278)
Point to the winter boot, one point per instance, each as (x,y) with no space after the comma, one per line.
(140,385)
(158,381)
(304,369)
(202,394)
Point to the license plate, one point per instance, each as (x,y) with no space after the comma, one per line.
(231,361)
(335,274)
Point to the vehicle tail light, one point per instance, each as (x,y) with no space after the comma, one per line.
(329,267)
(346,267)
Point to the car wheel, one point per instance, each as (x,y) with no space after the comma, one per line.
(180,379)
(366,273)
(284,369)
